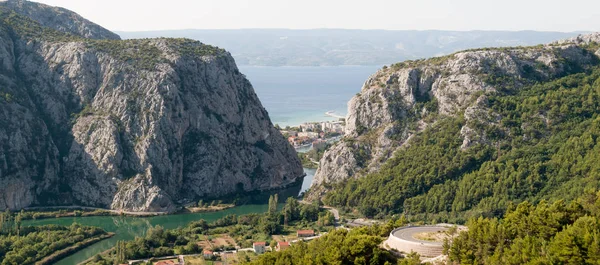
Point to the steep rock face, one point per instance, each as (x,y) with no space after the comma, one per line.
(59,19)
(398,101)
(136,125)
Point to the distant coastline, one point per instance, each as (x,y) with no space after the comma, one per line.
(297,94)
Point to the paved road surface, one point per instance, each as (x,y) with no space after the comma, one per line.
(334,211)
(408,233)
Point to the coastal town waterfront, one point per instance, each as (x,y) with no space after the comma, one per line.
(313,135)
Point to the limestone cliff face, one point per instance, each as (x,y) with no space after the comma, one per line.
(398,101)
(136,125)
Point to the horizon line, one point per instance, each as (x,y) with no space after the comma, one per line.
(350,29)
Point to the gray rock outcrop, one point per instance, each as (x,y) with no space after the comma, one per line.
(137,125)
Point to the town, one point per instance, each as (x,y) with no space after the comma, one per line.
(315,135)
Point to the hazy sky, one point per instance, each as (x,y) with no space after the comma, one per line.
(139,15)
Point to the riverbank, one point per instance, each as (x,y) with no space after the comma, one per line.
(127,227)
(207,209)
(37,213)
(103,253)
(56,256)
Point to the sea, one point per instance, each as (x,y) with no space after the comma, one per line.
(296,94)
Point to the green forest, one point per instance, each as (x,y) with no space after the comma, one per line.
(357,246)
(544,146)
(547,233)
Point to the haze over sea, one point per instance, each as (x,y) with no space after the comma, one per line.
(296,94)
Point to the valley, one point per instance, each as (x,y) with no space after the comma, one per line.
(323,146)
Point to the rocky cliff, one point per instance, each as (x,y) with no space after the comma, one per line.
(402,100)
(59,19)
(136,125)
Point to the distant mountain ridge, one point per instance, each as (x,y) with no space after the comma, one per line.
(331,47)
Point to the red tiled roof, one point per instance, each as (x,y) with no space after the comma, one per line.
(259,244)
(283,244)
(306,232)
(207,252)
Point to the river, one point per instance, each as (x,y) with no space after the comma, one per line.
(127,228)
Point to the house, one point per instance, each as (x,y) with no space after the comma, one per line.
(305,233)
(259,247)
(282,246)
(208,254)
(292,140)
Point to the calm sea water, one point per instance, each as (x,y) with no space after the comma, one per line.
(293,95)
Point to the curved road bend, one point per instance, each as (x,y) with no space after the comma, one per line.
(409,232)
(334,211)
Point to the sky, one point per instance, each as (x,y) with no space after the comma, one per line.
(147,15)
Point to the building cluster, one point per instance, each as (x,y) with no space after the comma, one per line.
(258,247)
(261,246)
(308,133)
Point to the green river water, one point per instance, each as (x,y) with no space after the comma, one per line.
(127,228)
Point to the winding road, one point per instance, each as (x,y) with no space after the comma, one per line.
(334,211)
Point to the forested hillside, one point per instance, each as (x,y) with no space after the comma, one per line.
(536,138)
(357,246)
(549,233)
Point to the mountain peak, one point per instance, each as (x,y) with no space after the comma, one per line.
(59,19)
(582,39)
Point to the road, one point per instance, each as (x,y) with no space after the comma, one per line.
(334,211)
(409,232)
